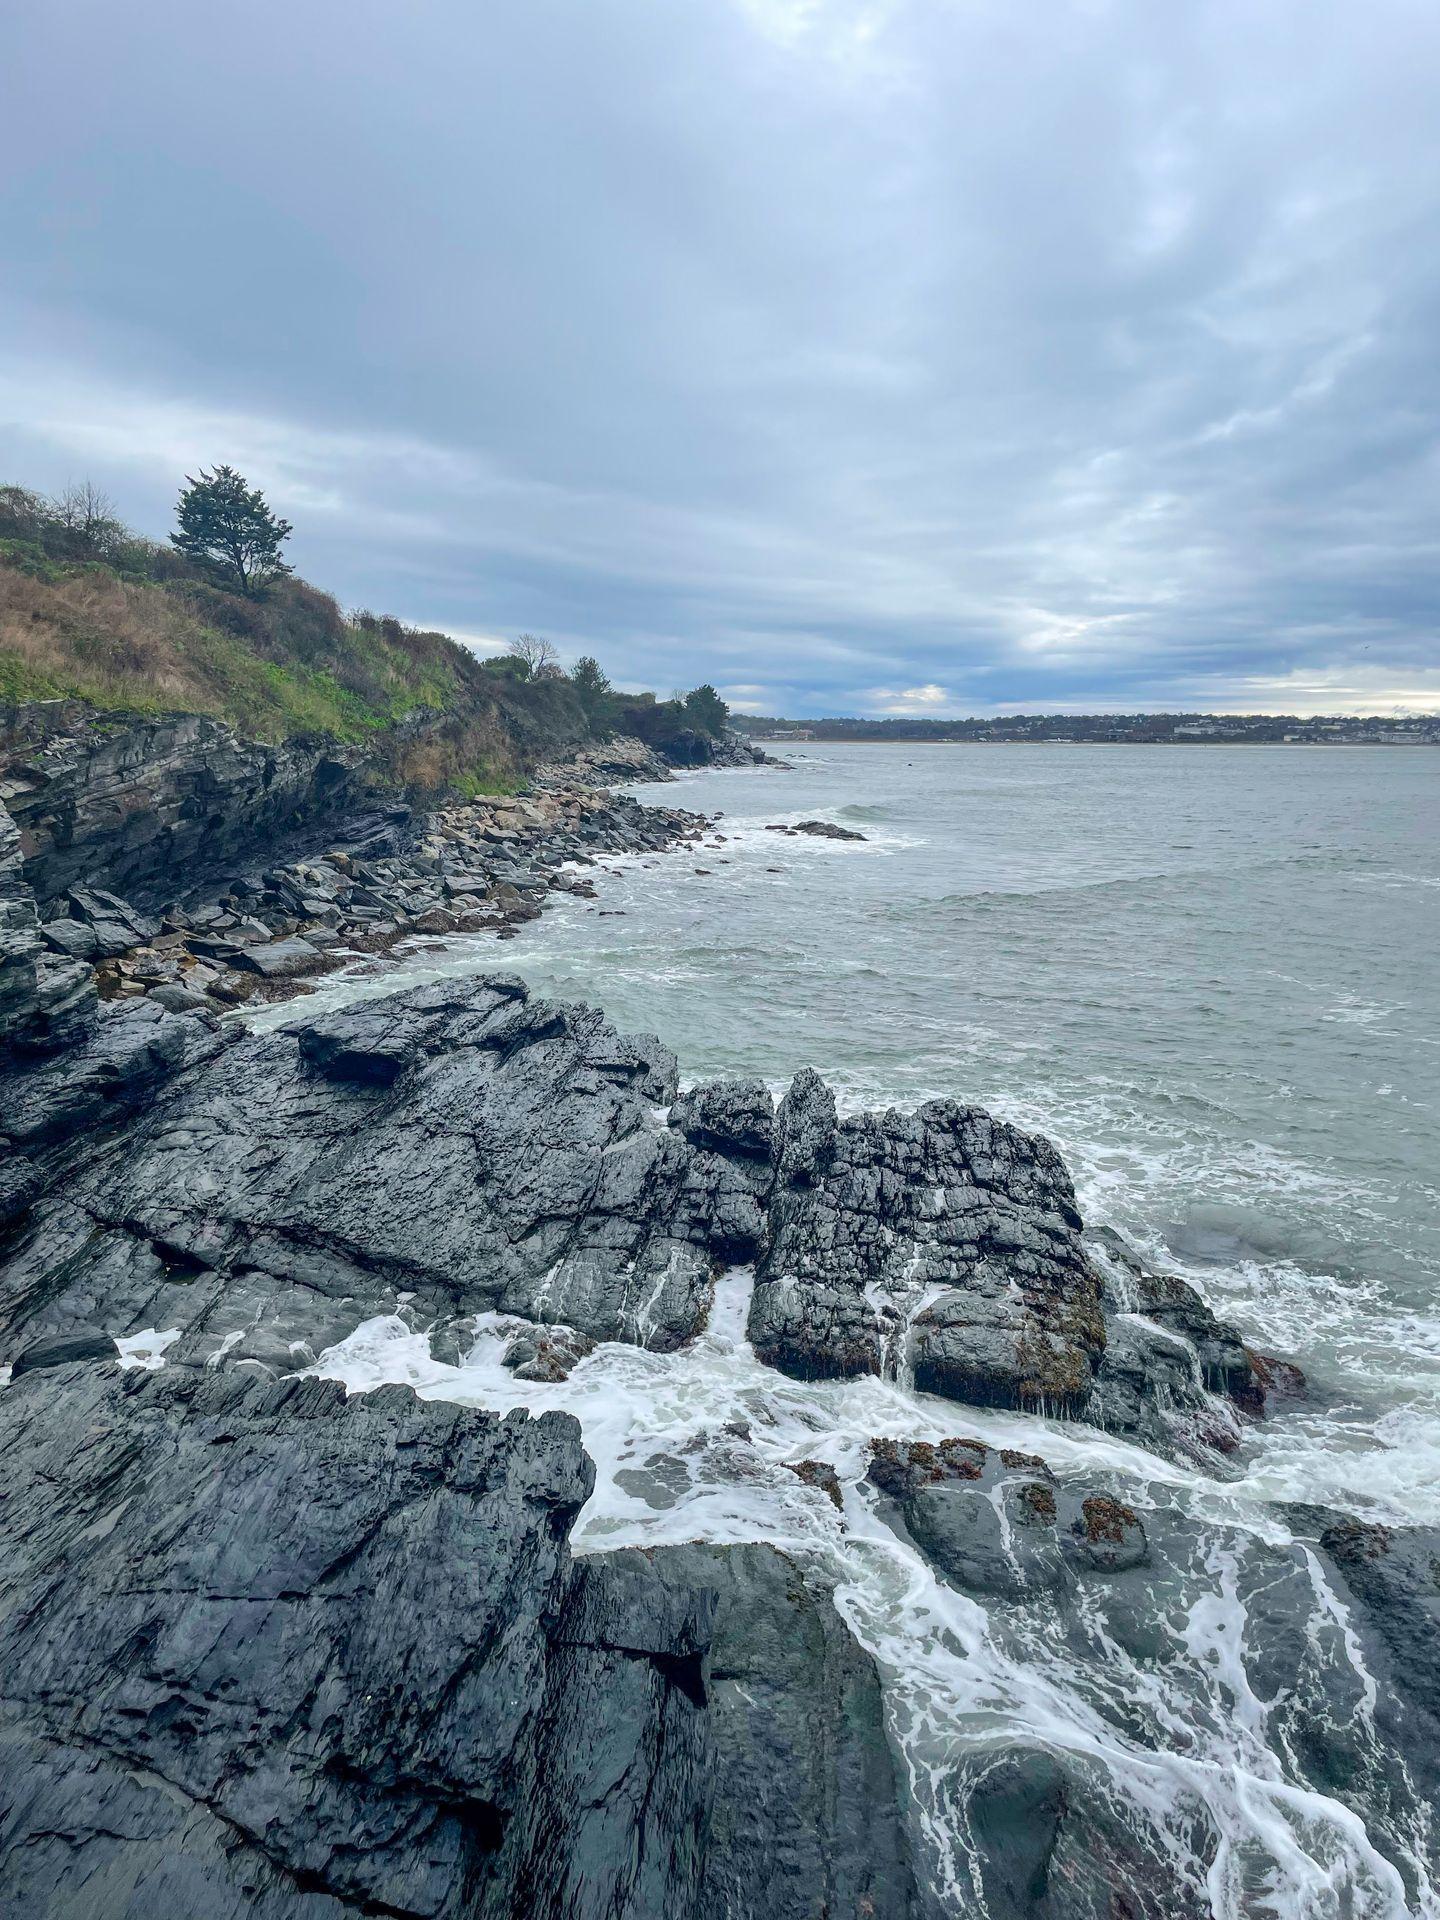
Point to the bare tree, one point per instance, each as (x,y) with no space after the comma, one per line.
(88,515)
(541,657)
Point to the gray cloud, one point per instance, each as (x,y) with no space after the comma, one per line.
(852,355)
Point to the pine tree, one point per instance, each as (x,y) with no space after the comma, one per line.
(594,692)
(228,526)
(705,710)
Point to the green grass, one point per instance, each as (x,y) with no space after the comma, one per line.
(283,664)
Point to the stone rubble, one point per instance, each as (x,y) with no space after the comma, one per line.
(480,866)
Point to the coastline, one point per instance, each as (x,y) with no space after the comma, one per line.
(295,1279)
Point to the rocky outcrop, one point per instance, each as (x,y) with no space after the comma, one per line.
(943,1243)
(152,802)
(262,1198)
(47,1001)
(271,1652)
(803,1804)
(485,865)
(1390,1577)
(1172,1374)
(818,830)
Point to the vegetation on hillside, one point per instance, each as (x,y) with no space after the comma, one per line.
(92,611)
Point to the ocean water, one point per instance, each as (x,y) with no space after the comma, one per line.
(1210,975)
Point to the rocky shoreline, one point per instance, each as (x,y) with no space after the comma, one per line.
(272,1650)
(260,930)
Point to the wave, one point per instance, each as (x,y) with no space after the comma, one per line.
(860,810)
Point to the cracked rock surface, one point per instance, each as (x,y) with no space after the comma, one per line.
(471,1147)
(273,1652)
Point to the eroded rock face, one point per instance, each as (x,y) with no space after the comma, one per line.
(269,1651)
(944,1239)
(144,799)
(804,1805)
(1392,1578)
(47,999)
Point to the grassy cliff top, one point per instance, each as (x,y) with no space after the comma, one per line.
(285,662)
(130,626)
(93,612)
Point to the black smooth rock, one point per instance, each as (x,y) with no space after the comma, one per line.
(65,1350)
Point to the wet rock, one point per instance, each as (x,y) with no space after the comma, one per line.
(549,1190)
(802,1805)
(827,830)
(962,1227)
(282,1651)
(1173,1375)
(293,1654)
(1393,1576)
(66,1100)
(546,1353)
(822,1476)
(1107,1536)
(987,1527)
(996,1523)
(66,1350)
(564,1180)
(1053,1844)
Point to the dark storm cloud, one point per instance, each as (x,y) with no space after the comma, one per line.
(855,356)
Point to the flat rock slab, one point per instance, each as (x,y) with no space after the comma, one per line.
(279,959)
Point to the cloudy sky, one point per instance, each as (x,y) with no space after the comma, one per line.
(857,355)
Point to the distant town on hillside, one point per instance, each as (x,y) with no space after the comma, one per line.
(1179,729)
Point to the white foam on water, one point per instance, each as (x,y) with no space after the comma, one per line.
(146,1349)
(699,1445)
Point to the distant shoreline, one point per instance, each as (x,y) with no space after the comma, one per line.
(841,740)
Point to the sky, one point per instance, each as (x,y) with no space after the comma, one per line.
(857,356)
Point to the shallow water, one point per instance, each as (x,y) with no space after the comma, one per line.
(1209,974)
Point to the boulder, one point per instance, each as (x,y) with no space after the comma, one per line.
(942,1244)
(115,926)
(546,1353)
(74,938)
(996,1523)
(280,959)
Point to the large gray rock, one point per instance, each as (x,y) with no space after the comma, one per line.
(943,1241)
(804,1805)
(114,925)
(267,1651)
(469,1146)
(64,1105)
(288,959)
(997,1523)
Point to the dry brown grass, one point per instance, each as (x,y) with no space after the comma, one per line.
(97,636)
